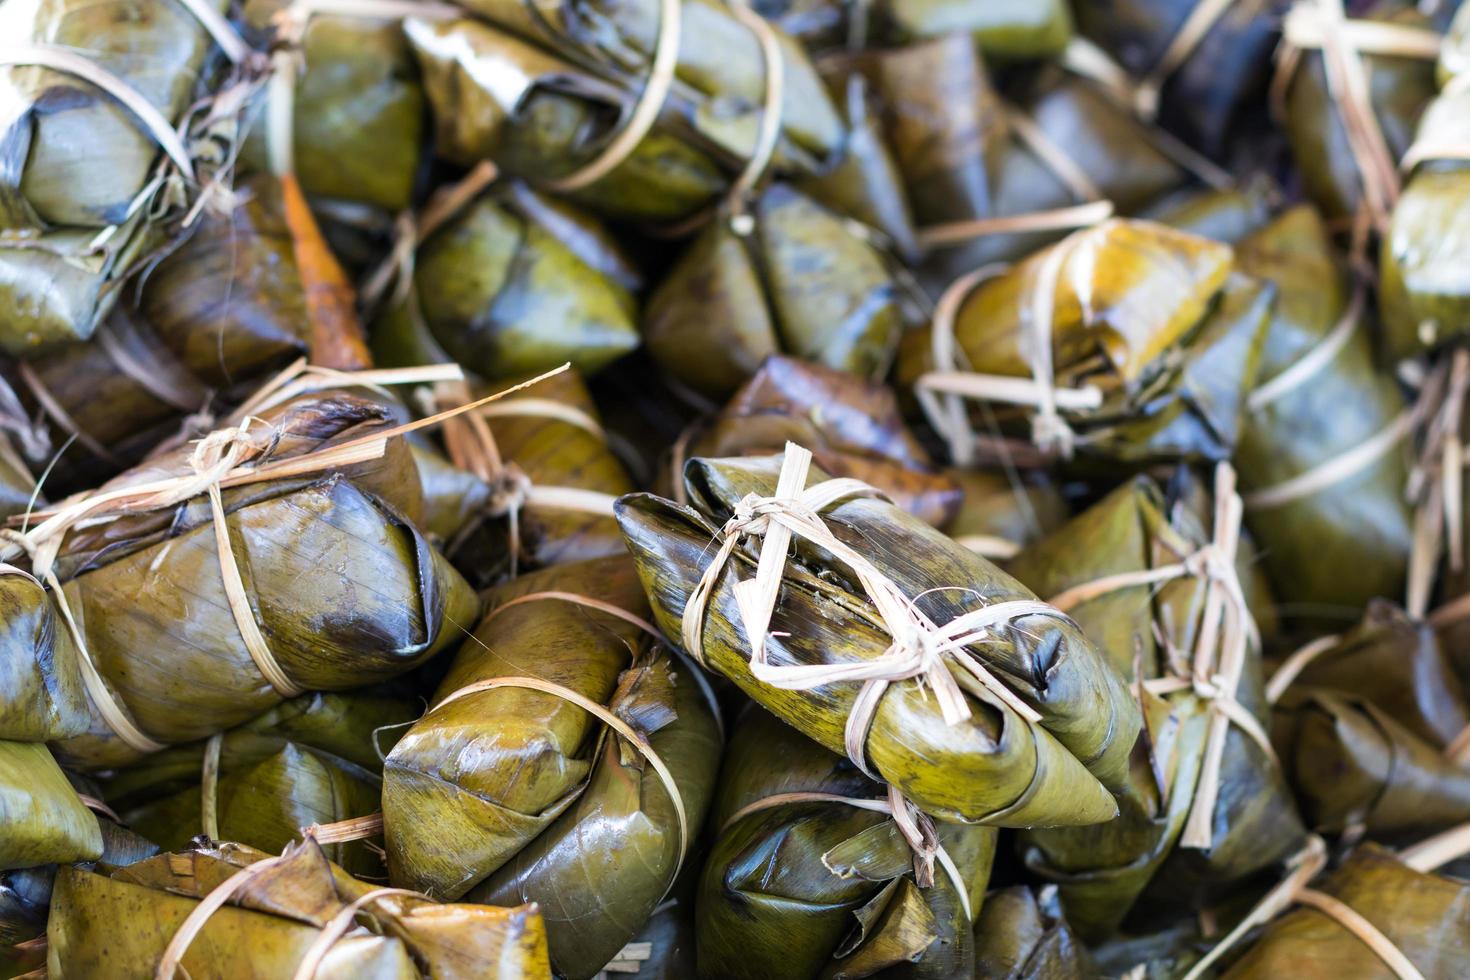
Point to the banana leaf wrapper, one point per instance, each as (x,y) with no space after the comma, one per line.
(961,156)
(44,696)
(1399,89)
(1354,766)
(78,161)
(1007,30)
(538,115)
(853,427)
(550,452)
(510,791)
(1362,522)
(1414,910)
(1021,934)
(222,308)
(310,760)
(1223,74)
(148,595)
(801,282)
(833,881)
(1105,870)
(999,517)
(42,821)
(18,488)
(1227,216)
(514,284)
(1172,340)
(1423,293)
(1401,666)
(359,119)
(273,920)
(993,767)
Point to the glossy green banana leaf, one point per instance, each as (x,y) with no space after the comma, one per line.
(993,767)
(825,889)
(1224,74)
(550,452)
(1360,522)
(359,118)
(513,284)
(1001,516)
(274,919)
(1021,934)
(42,820)
(1170,338)
(78,162)
(1003,29)
(343,585)
(531,109)
(1150,631)
(1222,215)
(1402,667)
(1417,912)
(43,694)
(800,282)
(853,427)
(519,792)
(222,309)
(962,155)
(1423,292)
(310,760)
(1399,88)
(25,893)
(1354,766)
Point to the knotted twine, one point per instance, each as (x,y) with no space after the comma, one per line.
(921,649)
(234,456)
(915,826)
(1226,634)
(943,390)
(472,448)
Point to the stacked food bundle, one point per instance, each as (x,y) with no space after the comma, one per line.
(701,488)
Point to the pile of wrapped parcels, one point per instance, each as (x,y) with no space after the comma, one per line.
(791,490)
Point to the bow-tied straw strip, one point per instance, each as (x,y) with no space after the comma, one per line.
(235,456)
(472,448)
(359,828)
(1324,25)
(921,650)
(1226,634)
(942,391)
(915,826)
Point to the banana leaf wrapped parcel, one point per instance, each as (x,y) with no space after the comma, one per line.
(530,482)
(223,307)
(1127,341)
(185,613)
(509,283)
(1021,934)
(281,914)
(42,820)
(1321,458)
(1033,728)
(853,427)
(310,760)
(797,280)
(82,168)
(1004,29)
(802,852)
(1424,295)
(1194,65)
(1206,805)
(517,91)
(359,117)
(562,762)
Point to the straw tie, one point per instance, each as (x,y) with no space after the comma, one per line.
(921,649)
(1227,632)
